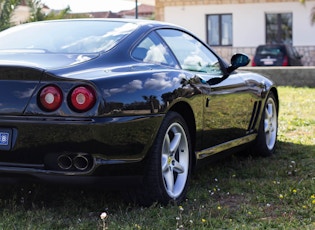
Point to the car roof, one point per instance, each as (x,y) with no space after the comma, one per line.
(130,20)
(140,22)
(275,45)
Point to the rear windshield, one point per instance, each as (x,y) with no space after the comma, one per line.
(70,36)
(273,51)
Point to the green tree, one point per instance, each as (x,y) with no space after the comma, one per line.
(313,16)
(6,9)
(312,12)
(37,13)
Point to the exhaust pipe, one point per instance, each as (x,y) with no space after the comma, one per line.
(77,161)
(64,162)
(80,162)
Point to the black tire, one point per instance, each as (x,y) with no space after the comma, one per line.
(169,164)
(268,129)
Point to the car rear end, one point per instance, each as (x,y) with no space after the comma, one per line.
(37,112)
(62,127)
(271,55)
(53,125)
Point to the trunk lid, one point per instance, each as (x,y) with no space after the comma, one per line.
(17,85)
(21,72)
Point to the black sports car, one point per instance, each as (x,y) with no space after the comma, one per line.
(126,101)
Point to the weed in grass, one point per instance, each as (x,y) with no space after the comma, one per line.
(103,217)
(179,219)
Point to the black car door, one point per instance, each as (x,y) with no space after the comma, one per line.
(228,111)
(227,105)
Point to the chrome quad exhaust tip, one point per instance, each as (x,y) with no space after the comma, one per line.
(73,161)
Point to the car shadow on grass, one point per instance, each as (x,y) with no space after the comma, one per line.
(219,174)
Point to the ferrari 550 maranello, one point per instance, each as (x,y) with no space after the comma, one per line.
(90,100)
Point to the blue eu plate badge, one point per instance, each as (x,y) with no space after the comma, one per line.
(5,139)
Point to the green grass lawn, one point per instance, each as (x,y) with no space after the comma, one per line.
(239,192)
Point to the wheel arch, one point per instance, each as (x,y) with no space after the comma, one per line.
(186,112)
(265,146)
(275,93)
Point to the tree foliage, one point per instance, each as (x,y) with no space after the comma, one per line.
(312,12)
(6,10)
(37,13)
(313,16)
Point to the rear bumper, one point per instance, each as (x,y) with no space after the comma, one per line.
(54,147)
(94,167)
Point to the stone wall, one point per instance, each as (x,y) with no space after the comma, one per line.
(308,53)
(302,76)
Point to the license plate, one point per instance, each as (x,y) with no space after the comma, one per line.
(268,62)
(5,139)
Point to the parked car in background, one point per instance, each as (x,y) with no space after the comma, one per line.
(123,101)
(276,55)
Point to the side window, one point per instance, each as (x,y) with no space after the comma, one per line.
(152,50)
(290,51)
(295,52)
(191,53)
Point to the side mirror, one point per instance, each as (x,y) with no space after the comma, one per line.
(238,60)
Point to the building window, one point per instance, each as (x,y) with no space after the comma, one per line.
(219,29)
(279,28)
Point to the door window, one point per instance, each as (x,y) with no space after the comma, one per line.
(190,52)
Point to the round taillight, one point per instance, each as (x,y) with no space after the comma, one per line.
(50,98)
(83,98)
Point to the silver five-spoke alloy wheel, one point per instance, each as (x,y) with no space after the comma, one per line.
(268,128)
(175,160)
(270,123)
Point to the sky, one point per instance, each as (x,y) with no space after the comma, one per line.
(79,6)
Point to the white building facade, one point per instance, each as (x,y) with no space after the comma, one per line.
(241,25)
